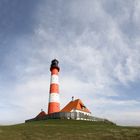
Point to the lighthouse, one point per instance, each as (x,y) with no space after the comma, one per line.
(54,102)
(75,109)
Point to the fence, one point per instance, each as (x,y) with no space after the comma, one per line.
(68,115)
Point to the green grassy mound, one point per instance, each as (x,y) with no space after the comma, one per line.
(68,130)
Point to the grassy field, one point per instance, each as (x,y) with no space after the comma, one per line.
(68,130)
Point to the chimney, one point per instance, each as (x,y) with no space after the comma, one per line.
(72,98)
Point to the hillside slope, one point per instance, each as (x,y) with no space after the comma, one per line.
(68,130)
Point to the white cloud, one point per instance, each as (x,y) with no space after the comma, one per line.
(136,16)
(127,117)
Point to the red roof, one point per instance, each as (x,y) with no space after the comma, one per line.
(41,114)
(77,105)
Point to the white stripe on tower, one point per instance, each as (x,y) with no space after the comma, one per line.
(54,97)
(54,79)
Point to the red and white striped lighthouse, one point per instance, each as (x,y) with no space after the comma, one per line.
(54,102)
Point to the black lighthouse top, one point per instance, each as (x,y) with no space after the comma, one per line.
(54,64)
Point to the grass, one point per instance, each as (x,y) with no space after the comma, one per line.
(68,130)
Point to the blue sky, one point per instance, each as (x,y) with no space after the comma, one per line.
(97,43)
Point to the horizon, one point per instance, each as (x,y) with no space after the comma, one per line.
(97,44)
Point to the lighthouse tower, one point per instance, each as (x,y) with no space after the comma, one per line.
(54,102)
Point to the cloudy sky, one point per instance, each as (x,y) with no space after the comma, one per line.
(97,43)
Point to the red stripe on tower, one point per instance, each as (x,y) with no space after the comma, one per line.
(54,102)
